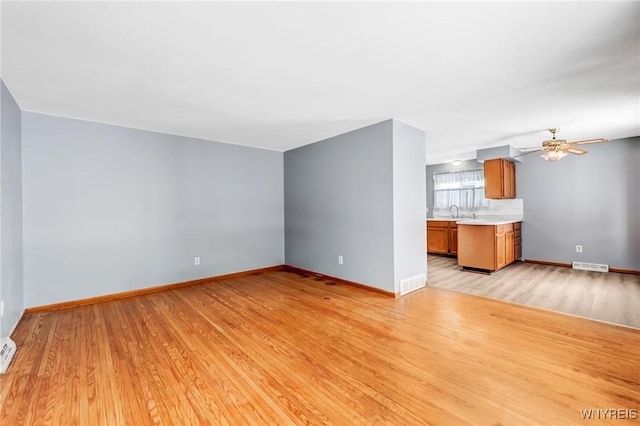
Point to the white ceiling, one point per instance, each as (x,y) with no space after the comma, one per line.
(281,75)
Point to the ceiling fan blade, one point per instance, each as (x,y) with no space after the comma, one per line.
(575,151)
(530,152)
(586,141)
(530,148)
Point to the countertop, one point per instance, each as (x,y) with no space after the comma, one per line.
(486,220)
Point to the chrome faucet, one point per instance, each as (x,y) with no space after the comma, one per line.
(452,206)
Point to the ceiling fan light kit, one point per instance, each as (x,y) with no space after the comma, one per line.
(554,155)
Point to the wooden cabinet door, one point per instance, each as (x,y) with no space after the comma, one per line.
(501,254)
(453,240)
(509,247)
(509,180)
(499,179)
(513,180)
(493,179)
(438,240)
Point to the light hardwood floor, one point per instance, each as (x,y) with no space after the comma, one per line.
(610,297)
(285,348)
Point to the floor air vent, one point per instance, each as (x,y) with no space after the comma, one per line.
(591,267)
(410,284)
(7,349)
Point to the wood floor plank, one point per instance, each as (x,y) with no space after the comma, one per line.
(289,348)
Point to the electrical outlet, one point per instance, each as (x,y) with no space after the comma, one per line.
(196,260)
(2,308)
(340,260)
(578,249)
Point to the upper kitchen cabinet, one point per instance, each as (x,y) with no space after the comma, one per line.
(499,179)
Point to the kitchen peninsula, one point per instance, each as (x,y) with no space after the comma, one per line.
(486,244)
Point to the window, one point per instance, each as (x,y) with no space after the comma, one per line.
(465,189)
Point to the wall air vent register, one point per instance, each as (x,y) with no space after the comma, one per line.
(7,350)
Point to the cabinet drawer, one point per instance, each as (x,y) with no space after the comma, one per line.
(437,223)
(517,241)
(517,225)
(517,233)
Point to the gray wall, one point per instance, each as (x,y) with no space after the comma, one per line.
(11,286)
(409,236)
(110,209)
(339,201)
(446,167)
(592,200)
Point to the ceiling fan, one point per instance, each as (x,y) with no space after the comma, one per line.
(556,149)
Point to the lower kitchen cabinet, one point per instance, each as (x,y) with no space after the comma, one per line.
(489,247)
(517,237)
(442,236)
